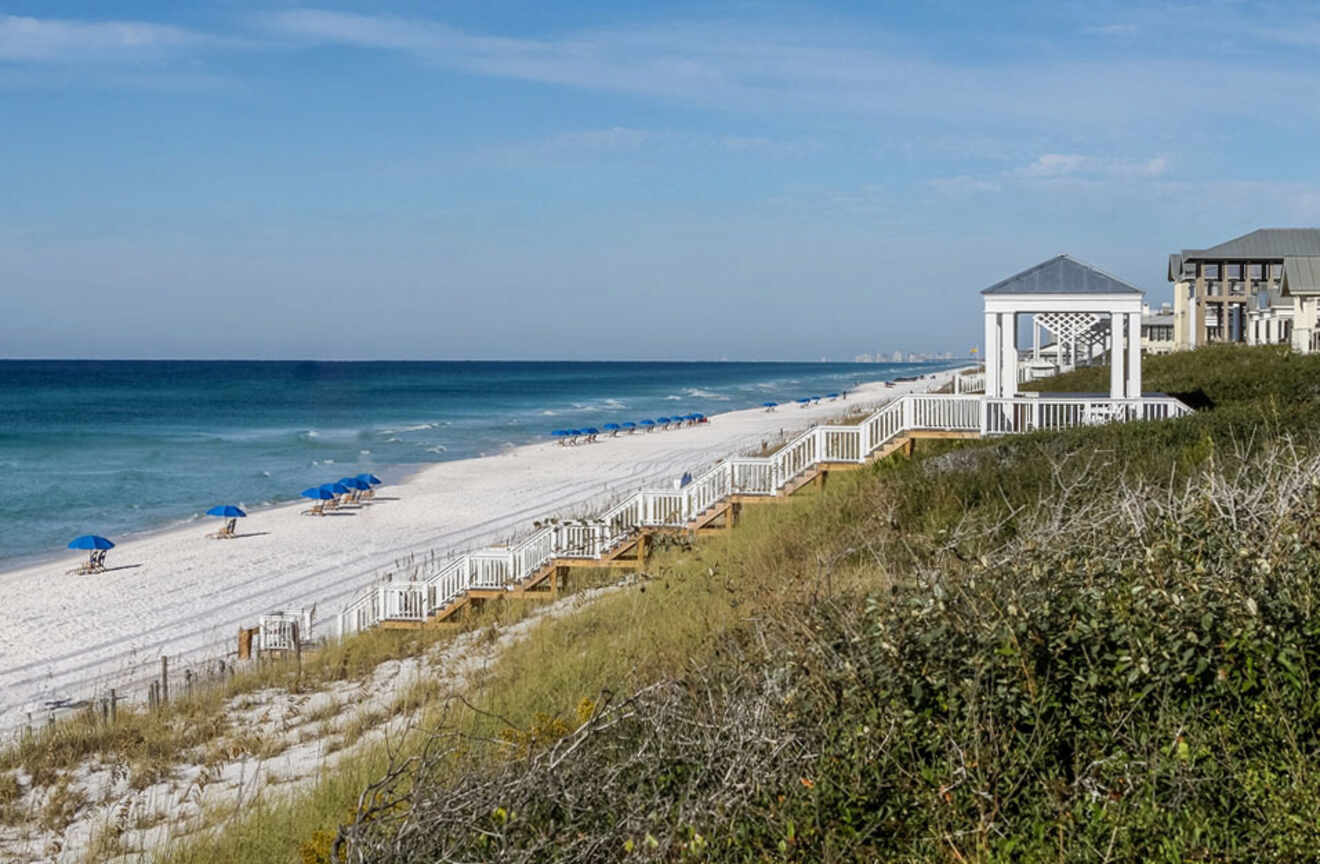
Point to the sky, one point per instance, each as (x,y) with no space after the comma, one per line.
(624,180)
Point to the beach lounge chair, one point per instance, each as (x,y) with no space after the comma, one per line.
(317,509)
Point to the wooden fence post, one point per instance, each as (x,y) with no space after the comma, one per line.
(114,700)
(297,650)
(164,679)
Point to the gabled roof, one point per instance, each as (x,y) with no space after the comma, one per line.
(1262,243)
(1301,276)
(1062,275)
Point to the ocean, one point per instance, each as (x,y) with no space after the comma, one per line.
(119,447)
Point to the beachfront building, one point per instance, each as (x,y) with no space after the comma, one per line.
(1270,320)
(1157,329)
(1088,312)
(1221,294)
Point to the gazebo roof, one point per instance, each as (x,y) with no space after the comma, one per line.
(1062,275)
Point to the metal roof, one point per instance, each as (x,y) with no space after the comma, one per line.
(1262,243)
(1175,266)
(1301,275)
(1062,275)
(1274,298)
(1157,320)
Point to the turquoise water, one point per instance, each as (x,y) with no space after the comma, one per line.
(114,448)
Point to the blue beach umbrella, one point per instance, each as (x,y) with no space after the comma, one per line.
(831,395)
(630,425)
(228,511)
(576,432)
(663,420)
(769,404)
(335,488)
(591,430)
(804,400)
(559,433)
(370,478)
(355,483)
(613,427)
(319,493)
(646,423)
(90,541)
(698,416)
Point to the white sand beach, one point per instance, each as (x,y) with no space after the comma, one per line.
(180,594)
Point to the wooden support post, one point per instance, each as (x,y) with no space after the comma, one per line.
(114,706)
(187,682)
(297,650)
(910,447)
(164,679)
(105,711)
(643,544)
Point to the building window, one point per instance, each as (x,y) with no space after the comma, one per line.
(1234,271)
(1257,271)
(1210,271)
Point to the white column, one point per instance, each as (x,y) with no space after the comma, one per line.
(1116,355)
(1035,338)
(991,355)
(1008,338)
(1134,356)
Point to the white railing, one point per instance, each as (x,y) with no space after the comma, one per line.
(502,568)
(1027,414)
(277,632)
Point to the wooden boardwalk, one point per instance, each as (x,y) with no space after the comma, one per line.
(621,536)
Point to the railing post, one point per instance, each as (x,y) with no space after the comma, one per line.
(907,409)
(985,415)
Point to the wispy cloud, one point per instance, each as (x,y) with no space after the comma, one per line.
(1075,164)
(747,67)
(49,40)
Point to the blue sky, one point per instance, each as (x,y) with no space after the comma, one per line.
(623,180)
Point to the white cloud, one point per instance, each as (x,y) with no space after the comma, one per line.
(48,40)
(1075,164)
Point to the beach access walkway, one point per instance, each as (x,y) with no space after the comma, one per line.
(620,536)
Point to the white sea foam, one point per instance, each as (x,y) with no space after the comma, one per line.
(698,393)
(310,433)
(438,448)
(364,452)
(673,398)
(548,413)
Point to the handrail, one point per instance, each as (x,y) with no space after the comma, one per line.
(502,568)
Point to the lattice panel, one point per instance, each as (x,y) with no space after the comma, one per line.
(1068,327)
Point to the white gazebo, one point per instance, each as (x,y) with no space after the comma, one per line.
(1077,304)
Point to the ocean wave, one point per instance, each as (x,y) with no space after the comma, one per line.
(417,427)
(615,403)
(698,393)
(548,413)
(308,434)
(437,448)
(673,398)
(364,452)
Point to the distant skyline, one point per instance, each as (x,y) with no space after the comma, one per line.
(579,181)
